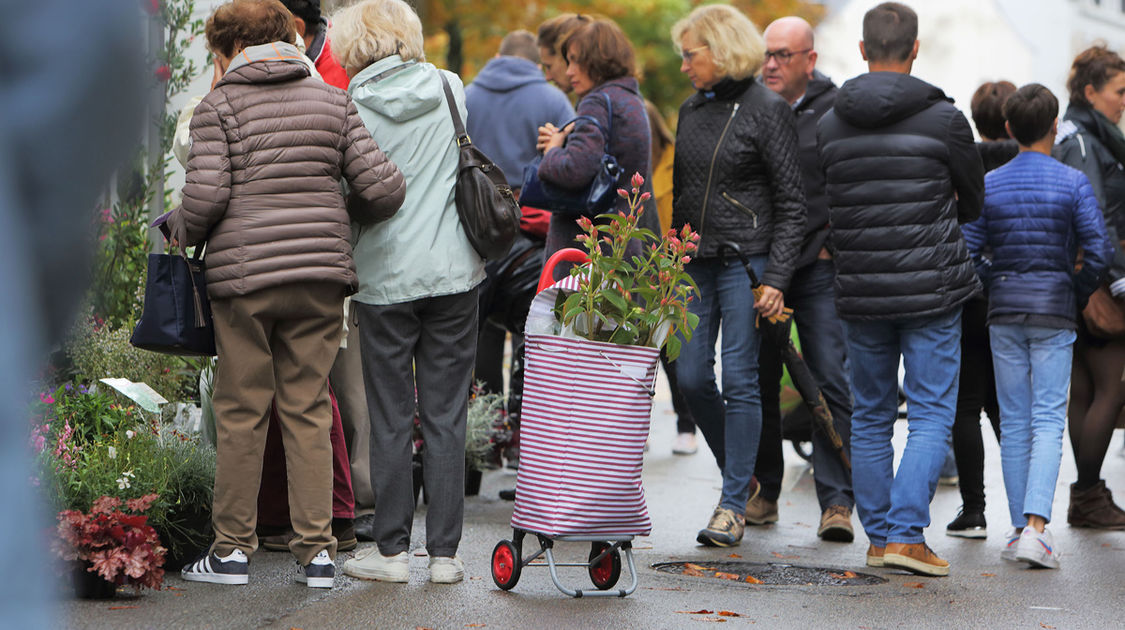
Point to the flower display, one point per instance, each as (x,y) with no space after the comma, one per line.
(638,301)
(119,545)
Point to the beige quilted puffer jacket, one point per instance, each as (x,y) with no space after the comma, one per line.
(269,147)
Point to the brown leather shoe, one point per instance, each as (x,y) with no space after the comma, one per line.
(342,528)
(277,542)
(875,556)
(917,558)
(836,524)
(1094,508)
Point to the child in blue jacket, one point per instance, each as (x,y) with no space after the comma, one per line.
(1037,213)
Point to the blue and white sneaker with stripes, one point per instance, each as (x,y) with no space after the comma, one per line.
(1011,541)
(320,573)
(233,569)
(1037,549)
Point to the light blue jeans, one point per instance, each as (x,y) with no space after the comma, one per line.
(730,420)
(1032,379)
(894,508)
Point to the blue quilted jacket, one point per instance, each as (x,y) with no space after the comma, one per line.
(1037,213)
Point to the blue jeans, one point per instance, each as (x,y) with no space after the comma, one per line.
(1032,380)
(812,296)
(894,508)
(731,421)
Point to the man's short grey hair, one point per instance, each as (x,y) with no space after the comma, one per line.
(520,44)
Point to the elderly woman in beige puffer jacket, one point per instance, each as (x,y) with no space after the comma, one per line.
(269,146)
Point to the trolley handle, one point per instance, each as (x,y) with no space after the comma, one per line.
(569,254)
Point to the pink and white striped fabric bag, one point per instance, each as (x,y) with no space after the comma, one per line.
(586,408)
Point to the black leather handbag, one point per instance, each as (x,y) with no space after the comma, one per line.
(177,314)
(488,209)
(596,198)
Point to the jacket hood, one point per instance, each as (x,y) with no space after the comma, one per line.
(878,99)
(818,84)
(400,90)
(504,74)
(276,62)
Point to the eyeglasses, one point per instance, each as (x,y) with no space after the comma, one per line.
(783,57)
(689,54)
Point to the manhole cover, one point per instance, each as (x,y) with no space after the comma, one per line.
(769,573)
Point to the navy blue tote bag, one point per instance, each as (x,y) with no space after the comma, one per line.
(177,314)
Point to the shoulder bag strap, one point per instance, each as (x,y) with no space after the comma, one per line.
(458,127)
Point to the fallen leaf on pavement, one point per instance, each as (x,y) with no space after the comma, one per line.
(475,577)
(701,611)
(713,619)
(726,576)
(693,572)
(988,575)
(476,625)
(914,585)
(782,556)
(1043,625)
(694,567)
(734,555)
(172,588)
(846,575)
(122,607)
(727,613)
(753,580)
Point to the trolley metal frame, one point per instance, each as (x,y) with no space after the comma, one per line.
(604,565)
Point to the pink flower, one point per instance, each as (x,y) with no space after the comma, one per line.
(164,73)
(107,215)
(637,181)
(685,259)
(151,7)
(646,196)
(46,399)
(621,192)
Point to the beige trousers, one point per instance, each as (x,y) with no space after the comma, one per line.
(275,344)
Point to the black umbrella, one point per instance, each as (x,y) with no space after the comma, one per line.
(776,328)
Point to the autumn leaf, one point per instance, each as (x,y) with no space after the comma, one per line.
(693,572)
(914,585)
(846,575)
(782,556)
(726,576)
(1043,625)
(752,580)
(734,555)
(701,611)
(713,619)
(727,613)
(988,575)
(695,567)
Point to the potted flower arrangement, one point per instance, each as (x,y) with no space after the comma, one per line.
(639,301)
(111,547)
(89,447)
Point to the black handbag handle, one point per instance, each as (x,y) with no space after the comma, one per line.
(197,258)
(609,122)
(462,137)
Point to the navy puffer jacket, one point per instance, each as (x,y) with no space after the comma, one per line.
(901,171)
(1037,213)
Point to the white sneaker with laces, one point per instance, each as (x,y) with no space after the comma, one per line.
(446,570)
(369,564)
(1037,549)
(685,444)
(1011,541)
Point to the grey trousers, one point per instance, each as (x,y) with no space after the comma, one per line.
(346,378)
(426,345)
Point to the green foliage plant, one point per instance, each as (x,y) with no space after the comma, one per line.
(639,301)
(486,429)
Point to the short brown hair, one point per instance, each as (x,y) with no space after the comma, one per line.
(987,107)
(1094,66)
(240,24)
(1030,112)
(553,31)
(889,32)
(604,51)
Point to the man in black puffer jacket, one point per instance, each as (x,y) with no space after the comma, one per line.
(901,172)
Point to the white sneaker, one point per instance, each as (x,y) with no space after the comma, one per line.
(1011,541)
(369,564)
(1037,549)
(685,444)
(446,570)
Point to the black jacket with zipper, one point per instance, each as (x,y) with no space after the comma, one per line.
(820,96)
(737,175)
(901,171)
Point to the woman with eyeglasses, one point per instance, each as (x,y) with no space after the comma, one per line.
(736,180)
(601,68)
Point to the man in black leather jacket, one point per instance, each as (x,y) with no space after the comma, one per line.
(790,70)
(901,172)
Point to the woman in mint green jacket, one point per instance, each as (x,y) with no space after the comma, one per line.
(417,299)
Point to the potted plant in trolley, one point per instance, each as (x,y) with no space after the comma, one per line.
(593,345)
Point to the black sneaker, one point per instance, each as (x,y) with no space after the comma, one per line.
(233,569)
(320,573)
(968,524)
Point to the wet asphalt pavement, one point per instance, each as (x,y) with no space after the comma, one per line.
(981,592)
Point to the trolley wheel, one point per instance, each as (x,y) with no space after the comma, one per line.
(607,571)
(506,565)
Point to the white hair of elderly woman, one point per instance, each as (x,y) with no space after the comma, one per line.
(368,31)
